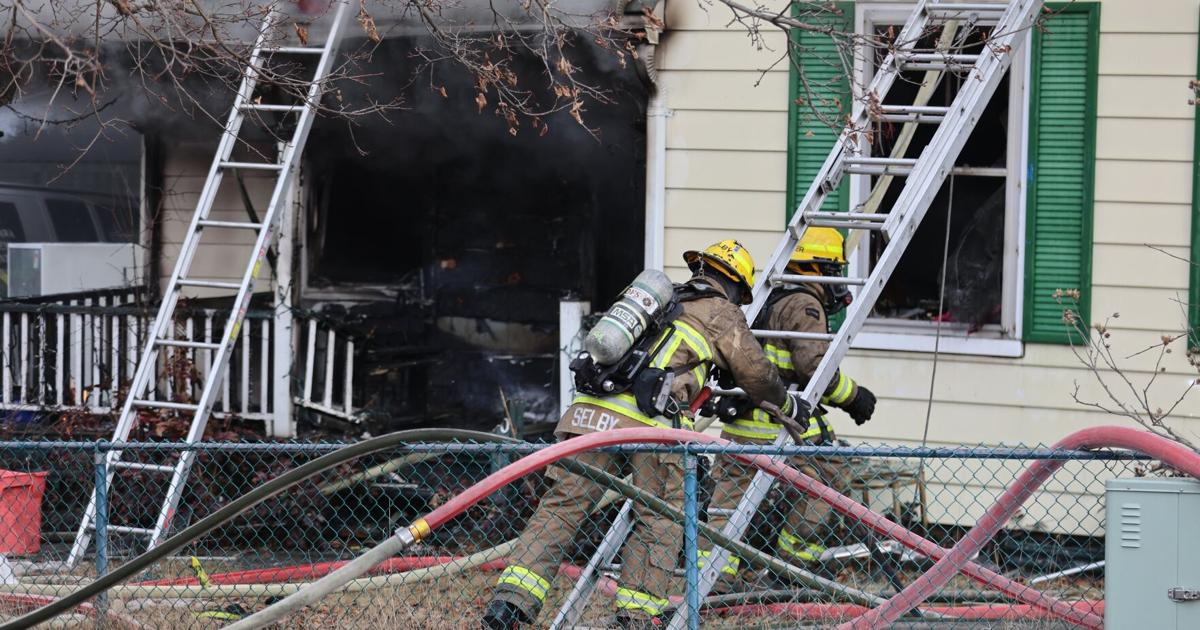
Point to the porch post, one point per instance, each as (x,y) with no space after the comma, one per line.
(282,423)
(570,321)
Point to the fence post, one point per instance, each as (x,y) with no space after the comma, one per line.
(99,455)
(690,554)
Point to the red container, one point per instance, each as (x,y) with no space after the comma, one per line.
(21,511)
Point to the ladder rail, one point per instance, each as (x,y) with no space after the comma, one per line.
(576,601)
(149,358)
(161,327)
(220,361)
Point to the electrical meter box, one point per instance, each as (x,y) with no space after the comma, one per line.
(1152,554)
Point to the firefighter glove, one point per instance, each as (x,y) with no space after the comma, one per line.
(793,415)
(730,408)
(861,407)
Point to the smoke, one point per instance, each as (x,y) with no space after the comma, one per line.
(507,224)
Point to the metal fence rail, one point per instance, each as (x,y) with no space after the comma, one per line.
(1054,545)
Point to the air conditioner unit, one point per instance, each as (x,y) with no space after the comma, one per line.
(36,269)
(1152,554)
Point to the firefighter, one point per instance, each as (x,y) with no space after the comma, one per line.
(710,331)
(799,308)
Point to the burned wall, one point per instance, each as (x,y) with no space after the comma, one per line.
(479,231)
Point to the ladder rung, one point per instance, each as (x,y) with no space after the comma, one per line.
(269,107)
(712,511)
(847,216)
(179,343)
(236,225)
(940,66)
(879,161)
(788,334)
(125,529)
(785,278)
(914,118)
(294,50)
(939,57)
(165,404)
(140,466)
(915,109)
(913,113)
(208,284)
(878,166)
(965,7)
(253,166)
(848,225)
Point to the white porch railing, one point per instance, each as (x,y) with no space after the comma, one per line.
(328,372)
(80,356)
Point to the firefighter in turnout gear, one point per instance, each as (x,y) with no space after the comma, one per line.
(708,331)
(798,308)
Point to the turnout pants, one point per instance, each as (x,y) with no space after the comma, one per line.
(648,559)
(808,523)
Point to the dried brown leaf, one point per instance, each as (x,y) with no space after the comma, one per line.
(577,112)
(367,22)
(652,19)
(564,66)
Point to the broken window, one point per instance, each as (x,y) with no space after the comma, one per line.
(969,232)
(450,240)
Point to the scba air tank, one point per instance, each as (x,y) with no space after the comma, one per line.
(625,321)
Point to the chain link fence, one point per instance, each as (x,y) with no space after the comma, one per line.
(796,547)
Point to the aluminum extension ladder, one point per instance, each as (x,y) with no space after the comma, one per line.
(850,155)
(162,333)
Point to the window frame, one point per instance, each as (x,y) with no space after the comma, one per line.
(1005,340)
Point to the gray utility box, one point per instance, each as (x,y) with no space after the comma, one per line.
(36,269)
(1152,554)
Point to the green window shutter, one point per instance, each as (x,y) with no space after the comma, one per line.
(819,101)
(1062,140)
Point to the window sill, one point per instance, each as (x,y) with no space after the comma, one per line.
(978,346)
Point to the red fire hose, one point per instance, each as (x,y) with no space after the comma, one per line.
(877,522)
(949,562)
(1171,453)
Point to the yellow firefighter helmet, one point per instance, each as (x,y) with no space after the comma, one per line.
(731,259)
(819,245)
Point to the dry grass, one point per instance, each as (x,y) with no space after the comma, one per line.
(457,602)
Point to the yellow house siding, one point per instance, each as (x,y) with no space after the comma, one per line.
(224,253)
(726,134)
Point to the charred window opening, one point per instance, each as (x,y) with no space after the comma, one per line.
(974,200)
(451,241)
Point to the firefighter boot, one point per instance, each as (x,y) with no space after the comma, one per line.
(502,615)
